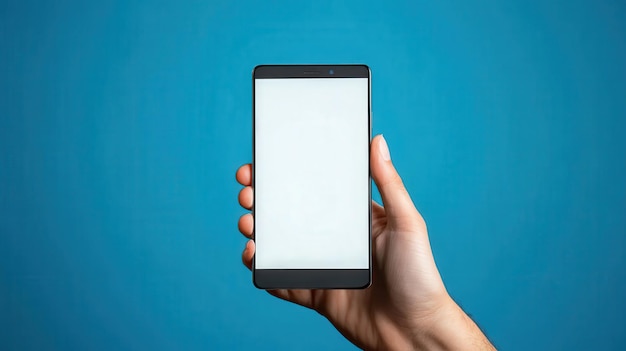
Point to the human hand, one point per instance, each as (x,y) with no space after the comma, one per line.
(407,306)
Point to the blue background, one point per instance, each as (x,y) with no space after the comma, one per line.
(122,124)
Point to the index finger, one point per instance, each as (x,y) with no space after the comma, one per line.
(244,175)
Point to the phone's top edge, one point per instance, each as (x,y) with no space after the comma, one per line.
(311,71)
(311,65)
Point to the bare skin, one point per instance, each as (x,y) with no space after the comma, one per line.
(407,307)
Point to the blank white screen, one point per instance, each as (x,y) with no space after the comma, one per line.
(311,173)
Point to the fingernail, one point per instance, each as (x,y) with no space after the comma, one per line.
(384,149)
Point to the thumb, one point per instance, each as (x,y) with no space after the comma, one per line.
(398,205)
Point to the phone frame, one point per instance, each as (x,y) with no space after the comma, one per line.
(313,278)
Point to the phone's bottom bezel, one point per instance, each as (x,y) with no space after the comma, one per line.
(312,278)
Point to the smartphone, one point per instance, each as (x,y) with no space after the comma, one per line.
(311,176)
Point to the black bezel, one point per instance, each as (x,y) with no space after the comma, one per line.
(310,71)
(313,278)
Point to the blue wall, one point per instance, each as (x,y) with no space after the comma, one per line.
(122,123)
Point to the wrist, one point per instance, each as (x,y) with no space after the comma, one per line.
(447,327)
(444,327)
(423,329)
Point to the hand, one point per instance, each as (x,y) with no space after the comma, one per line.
(407,306)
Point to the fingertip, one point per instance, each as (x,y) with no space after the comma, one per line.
(248,253)
(245,197)
(246,224)
(377,166)
(379,155)
(244,174)
(377,137)
(374,144)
